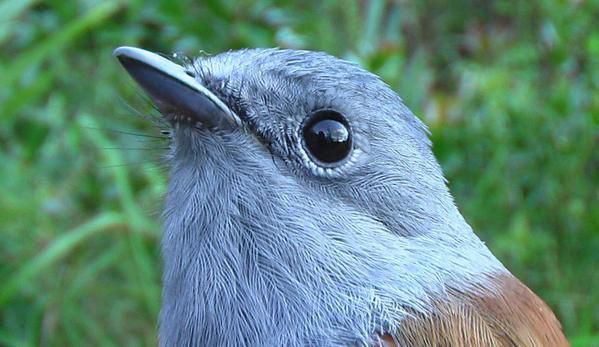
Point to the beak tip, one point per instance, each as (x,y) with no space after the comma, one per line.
(119,51)
(131,52)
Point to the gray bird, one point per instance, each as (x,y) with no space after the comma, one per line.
(305,208)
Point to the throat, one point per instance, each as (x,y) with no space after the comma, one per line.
(272,274)
(256,291)
(258,286)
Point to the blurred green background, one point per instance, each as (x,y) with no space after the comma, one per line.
(509,90)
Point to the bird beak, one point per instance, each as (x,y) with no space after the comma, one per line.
(177,95)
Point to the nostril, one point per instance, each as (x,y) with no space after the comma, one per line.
(190,73)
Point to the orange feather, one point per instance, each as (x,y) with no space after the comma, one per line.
(511,316)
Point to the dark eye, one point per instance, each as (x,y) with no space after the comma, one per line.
(327,137)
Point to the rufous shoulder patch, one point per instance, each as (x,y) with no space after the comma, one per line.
(512,315)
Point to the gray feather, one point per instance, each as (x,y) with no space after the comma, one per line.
(262,247)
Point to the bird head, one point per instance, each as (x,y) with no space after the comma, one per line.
(315,125)
(304,203)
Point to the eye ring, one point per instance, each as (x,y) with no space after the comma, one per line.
(327,138)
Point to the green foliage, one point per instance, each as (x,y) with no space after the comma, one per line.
(508,89)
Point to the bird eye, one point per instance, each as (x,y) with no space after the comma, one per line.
(327,137)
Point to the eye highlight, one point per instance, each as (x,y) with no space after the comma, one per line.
(327,137)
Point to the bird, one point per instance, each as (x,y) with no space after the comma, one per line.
(305,207)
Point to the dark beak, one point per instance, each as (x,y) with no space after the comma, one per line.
(178,96)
